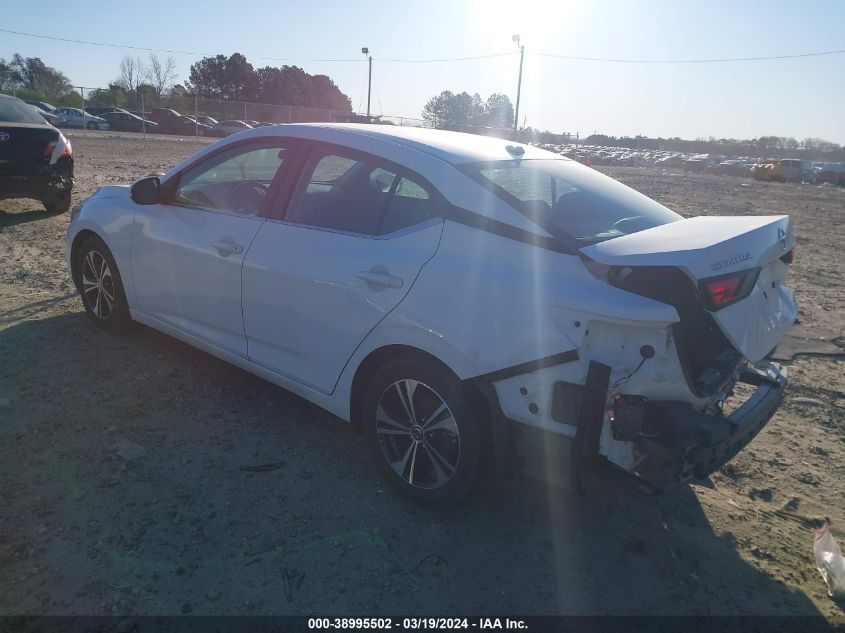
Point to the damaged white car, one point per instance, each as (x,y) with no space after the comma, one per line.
(454,294)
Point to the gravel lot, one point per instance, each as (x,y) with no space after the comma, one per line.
(245,499)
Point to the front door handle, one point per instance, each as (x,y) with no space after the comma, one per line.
(228,248)
(381,279)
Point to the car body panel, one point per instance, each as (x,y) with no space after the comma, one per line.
(181,277)
(311,295)
(504,308)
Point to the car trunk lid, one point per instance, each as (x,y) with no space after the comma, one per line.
(22,146)
(715,252)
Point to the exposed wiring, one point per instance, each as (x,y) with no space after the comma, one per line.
(626,378)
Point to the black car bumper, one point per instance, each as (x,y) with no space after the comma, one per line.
(41,184)
(684,444)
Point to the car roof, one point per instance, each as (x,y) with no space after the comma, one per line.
(452,147)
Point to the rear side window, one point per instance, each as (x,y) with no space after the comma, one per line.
(357,194)
(568,199)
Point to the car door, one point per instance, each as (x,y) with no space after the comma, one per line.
(187,251)
(354,237)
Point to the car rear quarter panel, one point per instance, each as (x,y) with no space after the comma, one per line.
(485,303)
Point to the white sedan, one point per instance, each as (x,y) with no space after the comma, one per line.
(74,117)
(457,296)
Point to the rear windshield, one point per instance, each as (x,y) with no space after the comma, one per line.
(565,197)
(19,112)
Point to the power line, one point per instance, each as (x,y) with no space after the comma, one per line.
(442,59)
(161,50)
(445,59)
(684,61)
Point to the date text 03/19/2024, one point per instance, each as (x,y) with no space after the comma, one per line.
(416,624)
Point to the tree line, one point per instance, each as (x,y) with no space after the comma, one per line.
(465,112)
(154,81)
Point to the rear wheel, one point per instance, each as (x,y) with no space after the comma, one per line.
(58,204)
(421,432)
(100,285)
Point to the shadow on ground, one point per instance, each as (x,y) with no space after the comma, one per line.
(32,211)
(247,499)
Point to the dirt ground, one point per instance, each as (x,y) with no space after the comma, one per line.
(245,499)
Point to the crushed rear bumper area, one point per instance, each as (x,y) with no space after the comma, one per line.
(682,443)
(41,182)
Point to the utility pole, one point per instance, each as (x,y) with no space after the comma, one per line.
(515,38)
(366,51)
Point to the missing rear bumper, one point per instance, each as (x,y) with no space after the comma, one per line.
(682,443)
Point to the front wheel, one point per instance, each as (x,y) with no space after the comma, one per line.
(92,126)
(421,431)
(100,285)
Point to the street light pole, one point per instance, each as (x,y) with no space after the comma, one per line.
(515,38)
(366,51)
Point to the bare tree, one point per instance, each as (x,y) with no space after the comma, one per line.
(162,74)
(132,73)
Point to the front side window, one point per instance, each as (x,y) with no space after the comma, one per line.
(357,194)
(567,198)
(236,180)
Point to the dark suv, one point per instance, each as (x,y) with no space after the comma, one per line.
(36,160)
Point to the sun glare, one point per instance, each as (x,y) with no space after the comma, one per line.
(538,22)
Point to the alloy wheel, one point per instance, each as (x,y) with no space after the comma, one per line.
(418,434)
(98,284)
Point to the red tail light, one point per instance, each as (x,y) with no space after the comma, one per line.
(789,257)
(719,292)
(50,147)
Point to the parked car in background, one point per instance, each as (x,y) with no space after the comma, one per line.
(186,125)
(696,165)
(36,160)
(162,116)
(101,110)
(587,319)
(732,167)
(232,127)
(833,173)
(669,161)
(207,120)
(47,107)
(796,170)
(53,119)
(74,117)
(784,170)
(126,122)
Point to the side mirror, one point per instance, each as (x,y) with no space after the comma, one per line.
(145,191)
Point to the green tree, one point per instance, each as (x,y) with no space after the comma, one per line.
(36,75)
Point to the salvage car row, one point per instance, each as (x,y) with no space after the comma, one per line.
(768,170)
(156,121)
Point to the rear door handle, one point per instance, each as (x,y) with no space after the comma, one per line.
(228,248)
(381,279)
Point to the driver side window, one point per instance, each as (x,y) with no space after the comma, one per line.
(235,180)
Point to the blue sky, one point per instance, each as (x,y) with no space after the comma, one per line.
(799,97)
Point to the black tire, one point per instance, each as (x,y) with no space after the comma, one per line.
(92,126)
(59,204)
(103,284)
(449,457)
